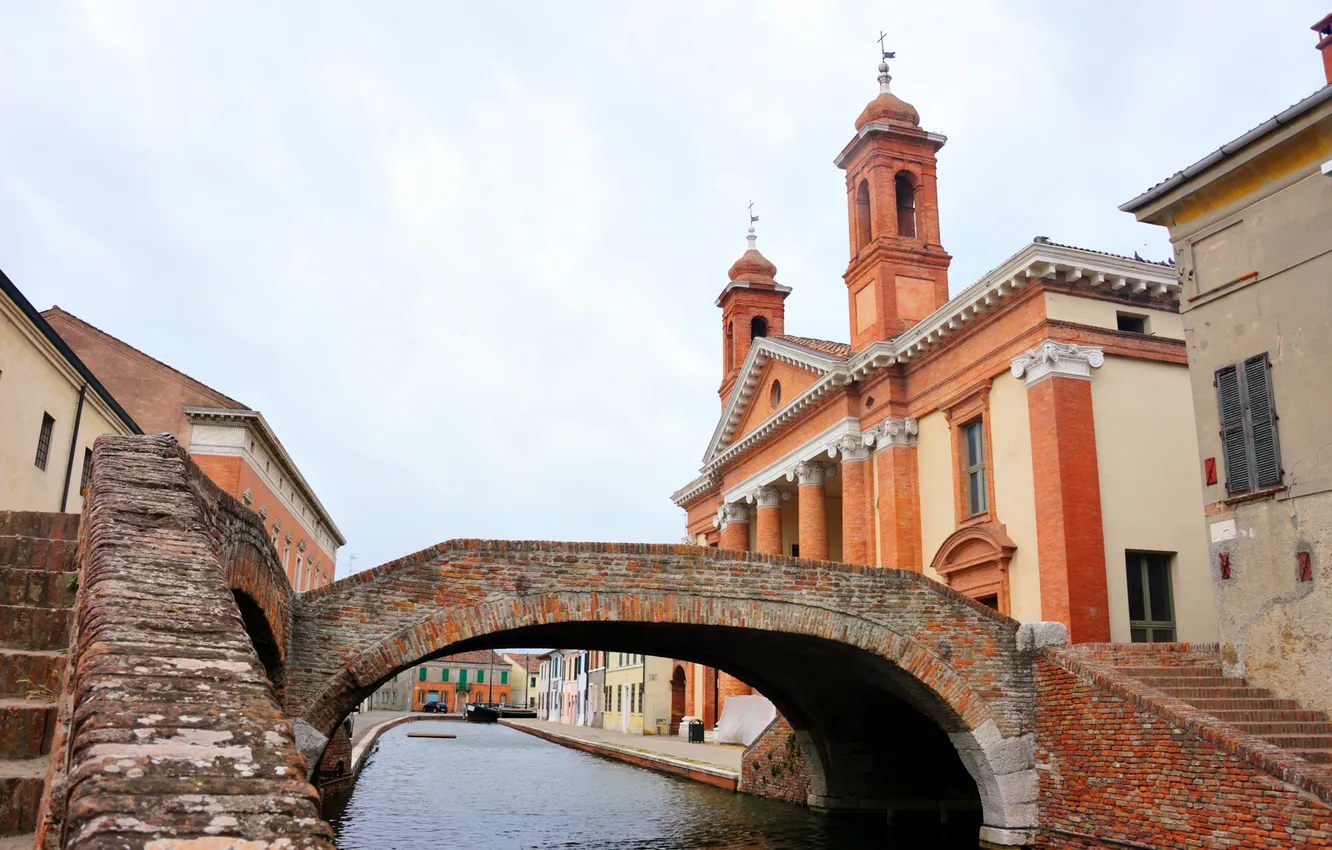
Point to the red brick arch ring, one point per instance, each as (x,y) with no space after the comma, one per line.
(1001,765)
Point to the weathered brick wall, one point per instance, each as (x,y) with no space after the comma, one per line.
(1149,654)
(1118,768)
(774,765)
(174,733)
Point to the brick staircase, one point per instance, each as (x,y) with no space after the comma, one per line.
(1255,711)
(37,563)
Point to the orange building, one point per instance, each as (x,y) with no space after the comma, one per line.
(480,676)
(1029,442)
(233,444)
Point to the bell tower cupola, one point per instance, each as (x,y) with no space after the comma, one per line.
(898,272)
(752,307)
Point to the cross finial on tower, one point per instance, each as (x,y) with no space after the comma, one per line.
(884,77)
(753,239)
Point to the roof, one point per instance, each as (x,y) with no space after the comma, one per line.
(1042,240)
(1230,148)
(475,656)
(25,306)
(525,659)
(223,400)
(836,349)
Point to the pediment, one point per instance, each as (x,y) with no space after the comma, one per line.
(983,544)
(748,405)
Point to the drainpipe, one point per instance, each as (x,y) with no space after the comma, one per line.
(73,445)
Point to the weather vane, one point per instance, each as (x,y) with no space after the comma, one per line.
(887,54)
(752,218)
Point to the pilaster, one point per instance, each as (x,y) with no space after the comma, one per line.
(856,484)
(898,500)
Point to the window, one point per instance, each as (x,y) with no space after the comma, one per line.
(504,677)
(87,472)
(906,206)
(619,699)
(480,677)
(758,326)
(795,550)
(462,677)
(730,348)
(421,675)
(44,440)
(775,394)
(640,700)
(863,232)
(1248,425)
(444,674)
(974,438)
(433,696)
(1131,323)
(1151,610)
(633,696)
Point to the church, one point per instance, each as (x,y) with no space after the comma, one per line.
(1029,442)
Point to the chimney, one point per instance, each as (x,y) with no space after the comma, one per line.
(1324,30)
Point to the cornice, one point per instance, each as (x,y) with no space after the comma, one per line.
(744,284)
(914,134)
(1036,262)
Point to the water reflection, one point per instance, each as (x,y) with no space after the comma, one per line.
(493,788)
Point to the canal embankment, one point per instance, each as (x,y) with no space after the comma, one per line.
(367,734)
(712,764)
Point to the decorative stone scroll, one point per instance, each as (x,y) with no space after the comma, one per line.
(1059,360)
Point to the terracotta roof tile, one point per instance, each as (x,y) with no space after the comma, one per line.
(1043,240)
(476,656)
(823,346)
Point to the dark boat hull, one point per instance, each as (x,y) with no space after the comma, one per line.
(521,713)
(480,714)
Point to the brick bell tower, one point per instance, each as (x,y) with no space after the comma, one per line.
(752,307)
(898,273)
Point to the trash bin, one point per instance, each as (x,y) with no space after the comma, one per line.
(696,731)
(663,727)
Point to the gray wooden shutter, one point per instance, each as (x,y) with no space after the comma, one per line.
(1230,404)
(1262,421)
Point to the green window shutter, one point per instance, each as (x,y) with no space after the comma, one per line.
(1230,410)
(421,675)
(462,676)
(444,675)
(504,677)
(1247,415)
(480,677)
(1262,421)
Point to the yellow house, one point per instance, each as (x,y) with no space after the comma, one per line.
(51,410)
(637,693)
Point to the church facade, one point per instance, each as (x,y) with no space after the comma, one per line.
(1030,442)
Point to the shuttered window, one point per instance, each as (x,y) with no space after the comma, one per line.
(421,674)
(444,674)
(1248,418)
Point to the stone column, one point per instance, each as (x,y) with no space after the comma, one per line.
(813,510)
(735,528)
(898,500)
(857,527)
(1070,537)
(769,520)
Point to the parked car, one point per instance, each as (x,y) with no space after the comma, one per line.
(435,708)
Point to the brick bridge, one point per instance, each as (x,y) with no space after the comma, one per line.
(202,691)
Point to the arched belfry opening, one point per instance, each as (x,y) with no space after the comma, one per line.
(863,230)
(730,346)
(758,326)
(906,205)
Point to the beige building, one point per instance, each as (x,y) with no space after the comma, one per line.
(523,670)
(1251,226)
(636,694)
(52,407)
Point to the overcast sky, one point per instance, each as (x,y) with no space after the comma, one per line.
(464,256)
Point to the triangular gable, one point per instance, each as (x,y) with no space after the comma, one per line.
(792,379)
(765,349)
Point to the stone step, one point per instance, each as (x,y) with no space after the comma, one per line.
(1190,694)
(1240,716)
(1170,672)
(36,588)
(32,674)
(1313,756)
(38,553)
(1194,682)
(26,727)
(21,785)
(1300,742)
(26,627)
(1266,728)
(1215,704)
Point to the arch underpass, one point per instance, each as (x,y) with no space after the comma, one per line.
(904,694)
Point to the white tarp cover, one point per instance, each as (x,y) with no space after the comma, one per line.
(743,719)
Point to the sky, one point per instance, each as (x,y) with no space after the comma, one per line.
(464,257)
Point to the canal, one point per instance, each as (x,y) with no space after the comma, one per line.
(494,788)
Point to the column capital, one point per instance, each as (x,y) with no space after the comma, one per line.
(733,513)
(810,473)
(1059,360)
(771,497)
(852,448)
(892,432)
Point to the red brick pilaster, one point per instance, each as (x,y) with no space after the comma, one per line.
(769,520)
(898,498)
(1070,539)
(857,538)
(813,512)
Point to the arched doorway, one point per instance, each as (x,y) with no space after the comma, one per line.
(974,562)
(677,696)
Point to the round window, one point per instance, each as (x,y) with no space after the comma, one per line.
(775,395)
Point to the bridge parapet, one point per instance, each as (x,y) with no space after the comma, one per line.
(172,731)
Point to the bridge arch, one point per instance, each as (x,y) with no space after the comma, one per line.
(929,665)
